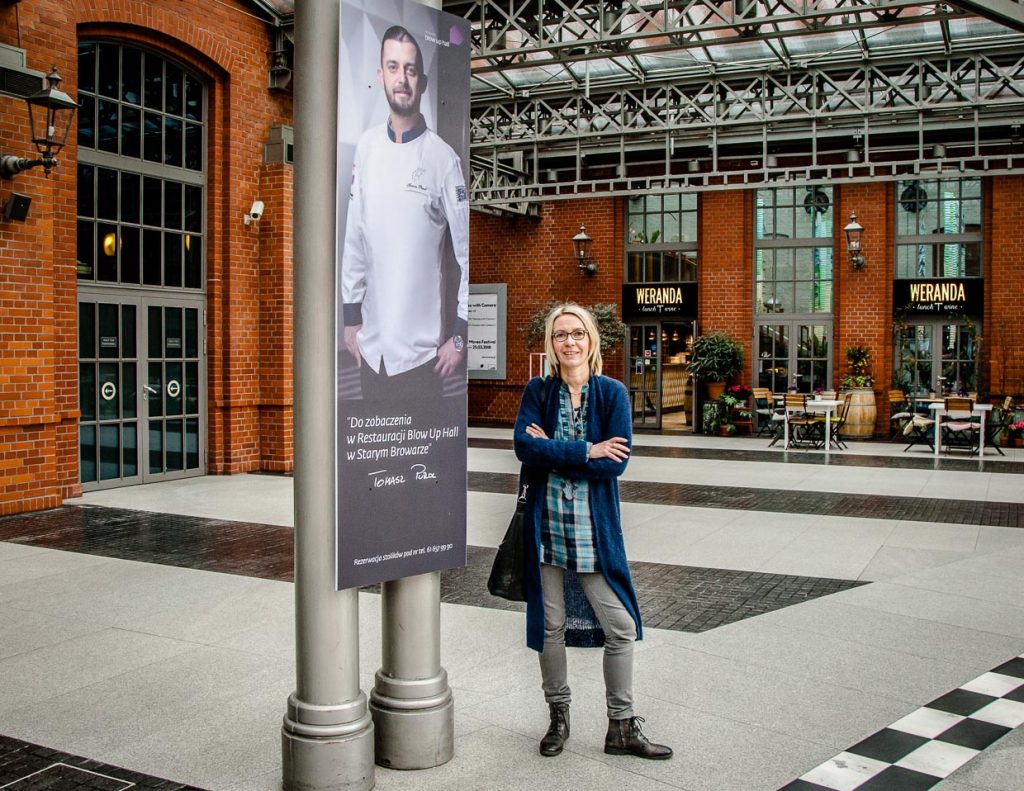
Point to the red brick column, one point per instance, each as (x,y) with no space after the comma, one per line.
(1003,338)
(726,268)
(863,297)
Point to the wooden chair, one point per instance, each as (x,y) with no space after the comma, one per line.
(840,421)
(959,427)
(764,409)
(802,429)
(899,413)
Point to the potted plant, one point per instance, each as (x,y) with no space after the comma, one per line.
(1014,433)
(714,358)
(609,325)
(732,405)
(860,420)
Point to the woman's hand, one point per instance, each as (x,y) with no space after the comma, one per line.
(616,449)
(536,431)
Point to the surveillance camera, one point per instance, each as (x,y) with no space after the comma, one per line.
(254,213)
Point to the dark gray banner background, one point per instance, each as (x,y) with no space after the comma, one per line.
(401,463)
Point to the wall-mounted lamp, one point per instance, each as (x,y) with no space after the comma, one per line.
(854,230)
(50,112)
(581,245)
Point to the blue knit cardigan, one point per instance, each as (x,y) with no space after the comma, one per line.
(607,416)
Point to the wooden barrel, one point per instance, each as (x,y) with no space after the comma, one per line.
(860,420)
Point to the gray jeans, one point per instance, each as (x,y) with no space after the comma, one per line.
(620,634)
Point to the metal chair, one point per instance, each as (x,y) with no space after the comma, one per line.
(960,430)
(919,429)
(899,413)
(840,421)
(802,431)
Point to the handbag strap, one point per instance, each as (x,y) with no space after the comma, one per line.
(523,486)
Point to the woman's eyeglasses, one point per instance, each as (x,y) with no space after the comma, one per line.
(561,336)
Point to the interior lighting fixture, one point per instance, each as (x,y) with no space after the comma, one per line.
(854,231)
(582,246)
(50,112)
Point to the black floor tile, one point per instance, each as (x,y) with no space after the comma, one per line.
(974,734)
(835,459)
(1015,667)
(888,745)
(961,701)
(680,598)
(896,778)
(803,785)
(1017,695)
(868,506)
(32,767)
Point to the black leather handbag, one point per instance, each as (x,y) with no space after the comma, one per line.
(508,572)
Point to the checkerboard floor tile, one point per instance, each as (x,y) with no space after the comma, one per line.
(928,745)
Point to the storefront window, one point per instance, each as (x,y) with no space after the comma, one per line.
(793,264)
(661,239)
(938,228)
(938,357)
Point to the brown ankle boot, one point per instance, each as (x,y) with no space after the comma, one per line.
(558,730)
(625,738)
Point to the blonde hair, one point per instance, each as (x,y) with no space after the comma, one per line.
(589,324)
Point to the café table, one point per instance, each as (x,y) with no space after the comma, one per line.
(826,405)
(938,408)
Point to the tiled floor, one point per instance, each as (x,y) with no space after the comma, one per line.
(764,659)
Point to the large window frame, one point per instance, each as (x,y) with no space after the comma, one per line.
(938,228)
(141,184)
(794,266)
(661,238)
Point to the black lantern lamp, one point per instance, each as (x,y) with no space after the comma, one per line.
(581,245)
(854,231)
(50,113)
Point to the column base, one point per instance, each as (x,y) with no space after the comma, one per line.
(326,757)
(413,738)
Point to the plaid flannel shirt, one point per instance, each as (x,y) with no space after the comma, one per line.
(567,532)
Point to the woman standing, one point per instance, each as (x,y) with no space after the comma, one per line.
(573,437)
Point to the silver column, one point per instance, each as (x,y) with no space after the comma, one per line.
(411,701)
(327,736)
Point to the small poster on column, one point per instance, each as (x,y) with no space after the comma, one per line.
(402,291)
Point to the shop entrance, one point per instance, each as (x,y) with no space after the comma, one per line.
(141,374)
(657,370)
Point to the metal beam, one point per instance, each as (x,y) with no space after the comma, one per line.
(1005,12)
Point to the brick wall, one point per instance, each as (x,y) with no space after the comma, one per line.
(726,268)
(534,258)
(248,269)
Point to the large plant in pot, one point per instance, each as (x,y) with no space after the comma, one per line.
(714,358)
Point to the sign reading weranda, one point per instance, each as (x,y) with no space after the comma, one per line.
(946,295)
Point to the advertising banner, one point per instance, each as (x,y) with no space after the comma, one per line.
(940,296)
(402,291)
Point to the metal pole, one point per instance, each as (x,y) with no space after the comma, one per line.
(327,735)
(411,701)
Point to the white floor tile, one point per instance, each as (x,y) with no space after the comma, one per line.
(1008,713)
(845,772)
(927,722)
(994,684)
(938,759)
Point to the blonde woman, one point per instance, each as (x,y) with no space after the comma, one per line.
(573,436)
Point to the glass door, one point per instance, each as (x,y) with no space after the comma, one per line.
(642,374)
(172,390)
(141,390)
(794,355)
(658,375)
(937,357)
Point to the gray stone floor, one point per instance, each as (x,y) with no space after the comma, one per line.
(183,673)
